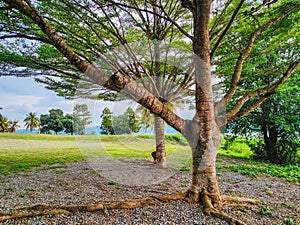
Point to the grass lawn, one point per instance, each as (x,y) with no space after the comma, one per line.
(20,152)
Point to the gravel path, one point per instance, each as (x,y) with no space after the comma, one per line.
(78,183)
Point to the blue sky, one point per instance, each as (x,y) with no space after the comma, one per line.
(19,96)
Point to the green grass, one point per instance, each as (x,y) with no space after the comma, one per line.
(238,149)
(256,169)
(20,152)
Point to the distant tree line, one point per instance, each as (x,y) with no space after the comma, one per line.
(8,125)
(55,121)
(75,123)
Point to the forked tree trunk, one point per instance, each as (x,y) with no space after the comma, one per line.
(159,129)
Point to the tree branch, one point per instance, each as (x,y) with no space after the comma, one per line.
(117,82)
(228,25)
(236,112)
(188,5)
(166,17)
(19,35)
(239,64)
(213,35)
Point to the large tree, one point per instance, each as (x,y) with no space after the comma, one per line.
(54,121)
(228,37)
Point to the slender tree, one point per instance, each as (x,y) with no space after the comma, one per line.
(107,122)
(224,36)
(31,121)
(81,117)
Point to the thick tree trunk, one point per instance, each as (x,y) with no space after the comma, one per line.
(204,179)
(203,133)
(159,129)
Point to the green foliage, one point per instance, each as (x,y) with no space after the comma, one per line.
(258,147)
(255,169)
(81,118)
(8,125)
(111,182)
(106,124)
(277,124)
(184,169)
(289,221)
(126,123)
(32,121)
(3,124)
(13,126)
(52,121)
(233,146)
(265,211)
(70,123)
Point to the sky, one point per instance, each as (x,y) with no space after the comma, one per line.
(19,96)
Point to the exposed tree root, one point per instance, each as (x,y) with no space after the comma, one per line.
(25,215)
(238,199)
(209,209)
(108,205)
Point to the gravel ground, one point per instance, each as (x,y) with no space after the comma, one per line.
(78,184)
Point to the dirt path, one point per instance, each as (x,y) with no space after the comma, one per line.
(78,183)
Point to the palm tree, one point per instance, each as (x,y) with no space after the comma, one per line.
(31,121)
(3,124)
(13,125)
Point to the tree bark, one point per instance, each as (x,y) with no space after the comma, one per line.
(204,152)
(159,129)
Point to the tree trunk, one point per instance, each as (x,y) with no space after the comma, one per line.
(159,129)
(202,132)
(204,152)
(270,139)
